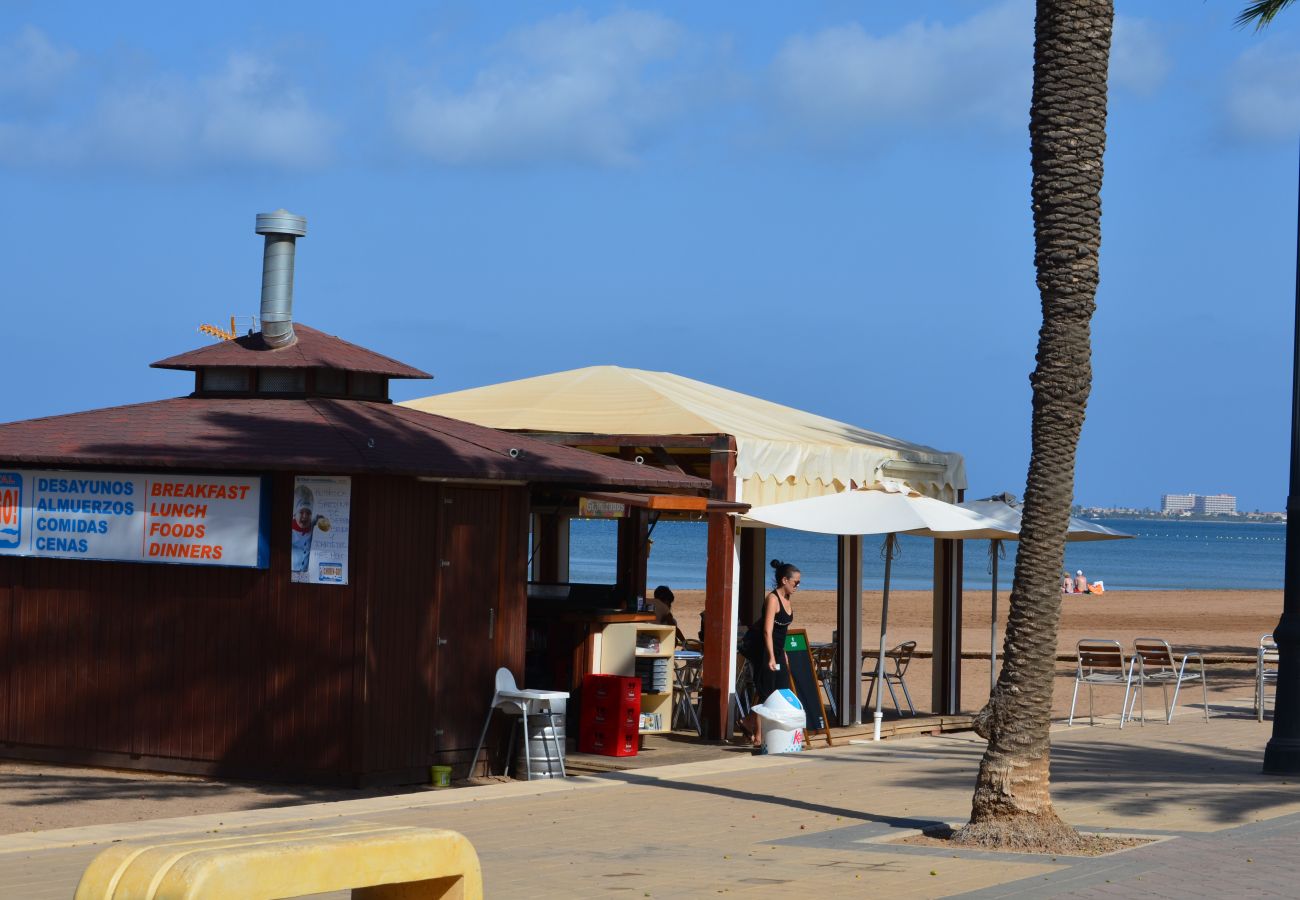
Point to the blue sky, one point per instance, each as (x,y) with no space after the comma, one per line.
(824,204)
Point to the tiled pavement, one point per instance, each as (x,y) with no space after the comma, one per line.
(818,823)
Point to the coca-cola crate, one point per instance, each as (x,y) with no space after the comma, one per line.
(610,700)
(608,740)
(608,712)
(623,688)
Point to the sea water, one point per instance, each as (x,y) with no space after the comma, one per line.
(1164,554)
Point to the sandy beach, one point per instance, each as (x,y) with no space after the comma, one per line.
(1214,622)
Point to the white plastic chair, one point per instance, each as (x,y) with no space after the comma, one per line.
(1101,662)
(1265,656)
(896,663)
(1156,665)
(511,699)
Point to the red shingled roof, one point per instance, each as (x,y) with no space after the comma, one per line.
(311,435)
(313,349)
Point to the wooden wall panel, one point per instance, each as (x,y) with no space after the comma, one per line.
(234,671)
(400,596)
(512,608)
(239,672)
(468,600)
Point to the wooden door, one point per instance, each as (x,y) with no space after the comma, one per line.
(469,586)
(399,622)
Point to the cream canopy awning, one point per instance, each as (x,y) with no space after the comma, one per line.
(781,453)
(883,509)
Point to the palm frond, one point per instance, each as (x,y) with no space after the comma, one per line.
(1261,12)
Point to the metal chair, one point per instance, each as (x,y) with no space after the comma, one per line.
(510,698)
(1101,663)
(896,663)
(826,669)
(744,695)
(688,670)
(1265,655)
(1156,665)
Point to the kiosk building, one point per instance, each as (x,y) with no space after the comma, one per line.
(281,575)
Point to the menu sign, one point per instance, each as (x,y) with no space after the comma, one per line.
(213,520)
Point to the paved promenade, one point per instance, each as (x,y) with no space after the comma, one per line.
(821,822)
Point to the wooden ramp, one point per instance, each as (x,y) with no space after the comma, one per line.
(686,747)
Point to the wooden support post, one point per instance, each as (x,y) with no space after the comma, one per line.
(640,519)
(719,602)
(945,683)
(753,573)
(562,527)
(550,548)
(849,629)
(633,554)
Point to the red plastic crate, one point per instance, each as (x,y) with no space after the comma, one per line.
(604,712)
(609,740)
(608,700)
(611,715)
(622,688)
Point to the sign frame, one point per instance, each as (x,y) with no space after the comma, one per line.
(798,654)
(30,496)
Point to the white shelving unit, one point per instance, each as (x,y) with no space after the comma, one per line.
(657,702)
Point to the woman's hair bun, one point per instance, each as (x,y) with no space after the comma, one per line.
(776,564)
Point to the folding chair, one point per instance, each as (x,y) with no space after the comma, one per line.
(896,663)
(1156,665)
(512,699)
(825,667)
(744,694)
(1265,656)
(688,668)
(1101,663)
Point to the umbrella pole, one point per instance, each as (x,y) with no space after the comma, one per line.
(994,546)
(884,624)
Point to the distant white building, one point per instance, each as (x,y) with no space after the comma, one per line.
(1216,503)
(1198,503)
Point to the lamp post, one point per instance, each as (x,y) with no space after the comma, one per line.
(1282,754)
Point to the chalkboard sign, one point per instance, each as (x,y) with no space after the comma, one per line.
(803,681)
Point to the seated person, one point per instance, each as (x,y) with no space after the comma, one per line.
(662,605)
(663,609)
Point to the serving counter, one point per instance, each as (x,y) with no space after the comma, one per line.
(568,639)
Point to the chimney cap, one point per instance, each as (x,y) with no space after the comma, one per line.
(281,222)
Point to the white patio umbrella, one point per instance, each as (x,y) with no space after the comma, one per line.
(881,509)
(1003,511)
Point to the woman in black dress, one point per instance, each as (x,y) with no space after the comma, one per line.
(764,645)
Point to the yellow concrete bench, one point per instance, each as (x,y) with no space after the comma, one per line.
(378,862)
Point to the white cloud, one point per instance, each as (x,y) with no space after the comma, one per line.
(32,69)
(567,89)
(1138,60)
(245,114)
(251,111)
(974,73)
(1262,102)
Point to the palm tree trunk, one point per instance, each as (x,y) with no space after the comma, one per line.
(1012,804)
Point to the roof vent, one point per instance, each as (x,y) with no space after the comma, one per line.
(282,229)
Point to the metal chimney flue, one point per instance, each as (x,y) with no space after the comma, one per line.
(282,229)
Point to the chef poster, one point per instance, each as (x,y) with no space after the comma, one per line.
(318,548)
